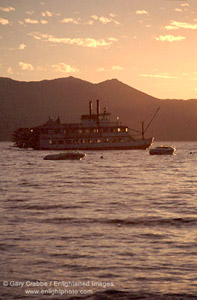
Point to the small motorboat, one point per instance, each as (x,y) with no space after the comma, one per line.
(65,156)
(162,150)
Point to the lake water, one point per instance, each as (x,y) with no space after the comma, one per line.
(118,227)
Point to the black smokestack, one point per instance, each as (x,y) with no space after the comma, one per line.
(98,107)
(90,107)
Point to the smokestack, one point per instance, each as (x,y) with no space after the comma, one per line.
(90,107)
(98,107)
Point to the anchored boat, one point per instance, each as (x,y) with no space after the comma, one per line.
(65,156)
(96,131)
(162,150)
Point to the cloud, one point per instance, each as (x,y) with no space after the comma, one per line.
(44,22)
(119,68)
(7,9)
(167,76)
(141,12)
(171,27)
(10,70)
(176,25)
(49,14)
(184,4)
(178,9)
(70,20)
(84,42)
(29,12)
(25,66)
(90,22)
(113,68)
(112,15)
(100,69)
(22,47)
(170,38)
(30,21)
(4,21)
(104,20)
(40,68)
(62,67)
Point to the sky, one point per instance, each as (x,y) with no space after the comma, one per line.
(151,45)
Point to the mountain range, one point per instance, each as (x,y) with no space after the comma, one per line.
(28,104)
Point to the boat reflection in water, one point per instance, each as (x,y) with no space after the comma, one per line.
(96,131)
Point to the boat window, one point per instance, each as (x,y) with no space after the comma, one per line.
(76,142)
(44,131)
(126,129)
(52,142)
(60,142)
(99,141)
(113,130)
(113,140)
(119,129)
(80,130)
(95,130)
(106,140)
(90,141)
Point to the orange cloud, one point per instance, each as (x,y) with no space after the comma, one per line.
(158,76)
(105,20)
(4,21)
(30,21)
(141,12)
(10,70)
(25,66)
(70,20)
(7,9)
(62,67)
(119,68)
(170,38)
(22,47)
(84,42)
(177,25)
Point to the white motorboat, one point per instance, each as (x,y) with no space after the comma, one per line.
(65,156)
(162,150)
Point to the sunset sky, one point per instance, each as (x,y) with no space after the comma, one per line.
(150,45)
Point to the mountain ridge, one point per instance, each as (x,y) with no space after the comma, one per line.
(30,103)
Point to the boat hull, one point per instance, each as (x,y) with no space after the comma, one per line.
(142,144)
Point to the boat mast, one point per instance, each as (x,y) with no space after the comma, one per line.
(143,130)
(98,110)
(152,119)
(90,107)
